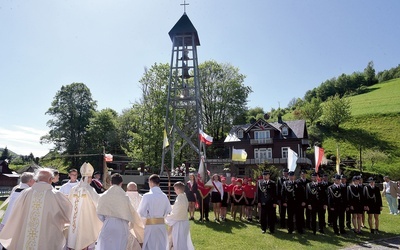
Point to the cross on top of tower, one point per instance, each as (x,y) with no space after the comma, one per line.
(184,5)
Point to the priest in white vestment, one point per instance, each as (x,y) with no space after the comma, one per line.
(73,181)
(154,207)
(133,194)
(118,216)
(178,220)
(38,217)
(26,182)
(85,226)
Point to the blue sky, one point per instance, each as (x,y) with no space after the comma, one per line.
(283,47)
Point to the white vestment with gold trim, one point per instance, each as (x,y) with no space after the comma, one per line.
(37,220)
(85,226)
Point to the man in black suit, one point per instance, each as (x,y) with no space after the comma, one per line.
(282,209)
(337,205)
(316,204)
(266,197)
(293,198)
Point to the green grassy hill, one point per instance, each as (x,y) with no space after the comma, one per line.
(382,98)
(375,127)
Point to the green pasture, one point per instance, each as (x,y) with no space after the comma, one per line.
(382,98)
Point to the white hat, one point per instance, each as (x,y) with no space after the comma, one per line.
(87,169)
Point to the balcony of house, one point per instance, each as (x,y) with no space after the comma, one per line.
(277,161)
(263,141)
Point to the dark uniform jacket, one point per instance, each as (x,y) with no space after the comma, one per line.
(266,193)
(292,192)
(315,195)
(337,197)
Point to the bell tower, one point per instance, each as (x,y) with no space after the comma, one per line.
(183,118)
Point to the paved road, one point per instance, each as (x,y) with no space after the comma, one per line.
(392,243)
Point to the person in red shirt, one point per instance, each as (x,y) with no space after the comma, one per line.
(224,203)
(230,197)
(250,193)
(239,198)
(203,199)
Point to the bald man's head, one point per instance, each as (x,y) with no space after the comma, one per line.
(45,175)
(131,186)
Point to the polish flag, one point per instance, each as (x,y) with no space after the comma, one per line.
(319,154)
(108,157)
(208,140)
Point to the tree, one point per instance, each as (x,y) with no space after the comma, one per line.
(5,154)
(335,111)
(224,96)
(369,73)
(72,109)
(102,131)
(374,156)
(310,111)
(144,139)
(254,114)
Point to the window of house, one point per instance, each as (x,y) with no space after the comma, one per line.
(263,153)
(262,134)
(285,152)
(256,154)
(285,131)
(269,153)
(242,171)
(240,134)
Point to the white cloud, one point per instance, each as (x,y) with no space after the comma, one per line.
(24,140)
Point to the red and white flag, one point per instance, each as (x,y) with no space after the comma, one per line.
(108,157)
(319,154)
(208,140)
(201,174)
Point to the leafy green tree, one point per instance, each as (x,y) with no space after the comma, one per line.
(144,139)
(310,94)
(224,96)
(326,89)
(369,73)
(5,154)
(335,111)
(254,114)
(310,111)
(71,110)
(102,132)
(373,156)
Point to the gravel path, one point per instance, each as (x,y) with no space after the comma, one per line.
(391,243)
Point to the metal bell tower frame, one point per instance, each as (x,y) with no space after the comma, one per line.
(184,97)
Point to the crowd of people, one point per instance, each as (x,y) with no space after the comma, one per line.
(82,215)
(301,203)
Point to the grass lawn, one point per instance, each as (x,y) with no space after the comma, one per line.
(382,98)
(247,235)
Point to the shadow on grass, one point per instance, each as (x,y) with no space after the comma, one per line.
(308,239)
(225,226)
(358,137)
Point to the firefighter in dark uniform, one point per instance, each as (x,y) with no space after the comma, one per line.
(293,198)
(282,209)
(266,198)
(344,184)
(356,203)
(337,205)
(324,186)
(373,202)
(303,182)
(316,204)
